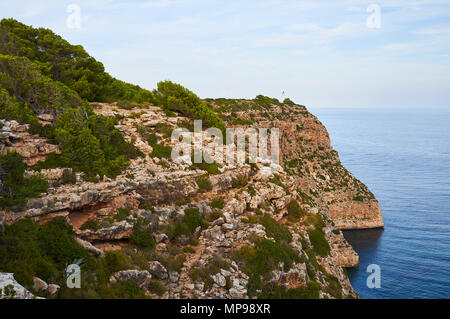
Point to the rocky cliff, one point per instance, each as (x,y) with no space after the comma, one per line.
(296,209)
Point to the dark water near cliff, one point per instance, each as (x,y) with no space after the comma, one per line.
(403,156)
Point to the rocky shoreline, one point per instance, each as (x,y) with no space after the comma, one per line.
(159,192)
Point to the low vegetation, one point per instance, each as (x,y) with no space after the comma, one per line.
(15,189)
(187,226)
(176,98)
(295,212)
(260,260)
(204,184)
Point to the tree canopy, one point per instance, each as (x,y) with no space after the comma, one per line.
(66,63)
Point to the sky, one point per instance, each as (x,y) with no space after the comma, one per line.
(323,53)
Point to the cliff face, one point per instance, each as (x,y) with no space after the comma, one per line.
(308,156)
(160,227)
(348,202)
(240,206)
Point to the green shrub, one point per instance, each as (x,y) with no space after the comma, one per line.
(274,229)
(93,145)
(265,101)
(217,202)
(239,182)
(294,163)
(203,183)
(90,224)
(124,290)
(315,220)
(122,214)
(334,288)
(210,168)
(28,250)
(214,215)
(161,151)
(250,219)
(156,287)
(146,205)
(305,198)
(277,181)
(191,220)
(142,237)
(274,291)
(260,260)
(251,190)
(68,177)
(318,240)
(164,129)
(188,249)
(127,105)
(15,189)
(13,109)
(182,201)
(295,211)
(214,265)
(240,121)
(175,97)
(172,259)
(116,260)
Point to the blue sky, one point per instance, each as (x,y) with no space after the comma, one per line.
(322,53)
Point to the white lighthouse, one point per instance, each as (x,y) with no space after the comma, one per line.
(283,96)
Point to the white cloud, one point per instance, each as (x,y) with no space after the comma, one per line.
(435,31)
(155,4)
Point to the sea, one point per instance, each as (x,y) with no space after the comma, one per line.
(403,156)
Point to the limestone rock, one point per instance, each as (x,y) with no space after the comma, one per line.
(174,276)
(141,277)
(158,270)
(219,279)
(160,238)
(53,289)
(10,288)
(120,230)
(91,248)
(39,284)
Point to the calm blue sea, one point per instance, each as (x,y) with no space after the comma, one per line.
(403,156)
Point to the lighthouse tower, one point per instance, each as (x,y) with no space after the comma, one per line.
(283,96)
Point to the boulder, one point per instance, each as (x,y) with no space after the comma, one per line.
(141,277)
(97,252)
(235,207)
(219,279)
(10,288)
(160,238)
(39,284)
(53,289)
(235,293)
(215,233)
(158,270)
(120,230)
(227,227)
(174,276)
